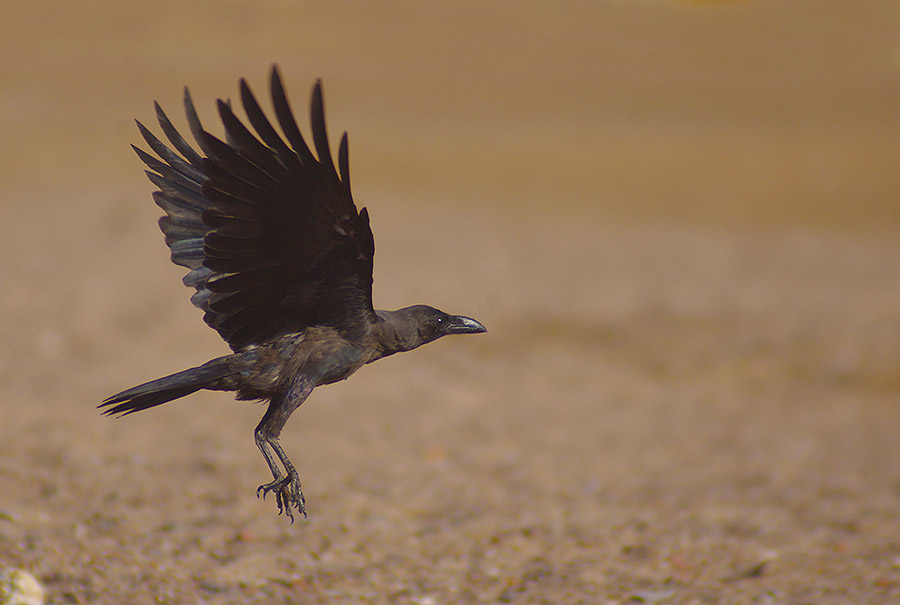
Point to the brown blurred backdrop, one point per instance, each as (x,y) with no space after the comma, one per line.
(772,112)
(679,221)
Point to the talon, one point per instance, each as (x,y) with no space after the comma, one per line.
(288,495)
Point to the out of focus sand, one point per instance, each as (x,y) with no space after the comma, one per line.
(679,221)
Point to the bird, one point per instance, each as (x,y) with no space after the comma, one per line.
(281,261)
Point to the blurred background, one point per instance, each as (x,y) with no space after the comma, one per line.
(679,221)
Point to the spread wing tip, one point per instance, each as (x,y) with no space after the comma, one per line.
(320,133)
(344,164)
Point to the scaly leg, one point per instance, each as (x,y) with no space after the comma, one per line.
(288,493)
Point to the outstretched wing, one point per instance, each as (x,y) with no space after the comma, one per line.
(269,231)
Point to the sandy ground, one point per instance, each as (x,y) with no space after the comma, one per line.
(678,220)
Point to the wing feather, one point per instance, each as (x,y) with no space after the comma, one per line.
(269,231)
(320,136)
(176,139)
(286,120)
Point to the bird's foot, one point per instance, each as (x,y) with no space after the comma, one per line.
(288,494)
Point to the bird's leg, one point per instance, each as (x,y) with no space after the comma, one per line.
(288,494)
(266,450)
(287,488)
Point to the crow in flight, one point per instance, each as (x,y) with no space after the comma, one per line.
(281,261)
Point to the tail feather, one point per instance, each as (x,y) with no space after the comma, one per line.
(162,390)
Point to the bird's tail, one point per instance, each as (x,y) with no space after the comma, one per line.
(162,390)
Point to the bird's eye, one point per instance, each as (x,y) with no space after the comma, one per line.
(439,320)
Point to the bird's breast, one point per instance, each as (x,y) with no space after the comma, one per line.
(339,365)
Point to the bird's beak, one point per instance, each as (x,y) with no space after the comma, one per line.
(464,325)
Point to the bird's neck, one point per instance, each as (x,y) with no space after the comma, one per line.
(392,334)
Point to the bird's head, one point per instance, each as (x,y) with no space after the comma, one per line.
(420,324)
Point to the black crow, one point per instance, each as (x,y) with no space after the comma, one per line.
(281,261)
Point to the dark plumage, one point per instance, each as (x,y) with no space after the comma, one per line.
(281,261)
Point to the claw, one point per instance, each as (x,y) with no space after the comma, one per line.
(288,495)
